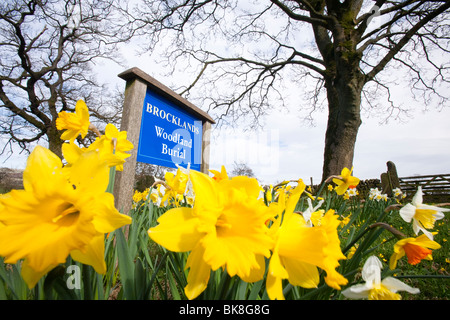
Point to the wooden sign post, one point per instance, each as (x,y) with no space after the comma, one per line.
(164,128)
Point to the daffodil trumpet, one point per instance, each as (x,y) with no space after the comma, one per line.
(62,211)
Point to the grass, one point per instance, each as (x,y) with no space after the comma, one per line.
(166,274)
(432,277)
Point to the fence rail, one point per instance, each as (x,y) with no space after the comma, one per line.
(435,187)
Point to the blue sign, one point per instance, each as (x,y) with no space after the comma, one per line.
(169,135)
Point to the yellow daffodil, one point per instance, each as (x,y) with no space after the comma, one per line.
(113,142)
(60,211)
(74,123)
(398,193)
(345,181)
(145,194)
(224,229)
(137,196)
(112,146)
(269,194)
(72,152)
(299,249)
(345,221)
(423,216)
(190,200)
(176,185)
(311,215)
(352,251)
(177,182)
(415,249)
(222,175)
(351,191)
(374,288)
(154,195)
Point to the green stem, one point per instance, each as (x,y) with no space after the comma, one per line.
(321,189)
(155,272)
(349,246)
(112,177)
(428,276)
(389,228)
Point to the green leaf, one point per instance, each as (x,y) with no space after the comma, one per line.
(126,267)
(255,290)
(112,178)
(241,290)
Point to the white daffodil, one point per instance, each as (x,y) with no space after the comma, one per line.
(310,210)
(422,215)
(373,193)
(374,288)
(398,193)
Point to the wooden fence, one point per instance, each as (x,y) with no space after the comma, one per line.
(436,188)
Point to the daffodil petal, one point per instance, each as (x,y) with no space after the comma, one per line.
(43,244)
(43,167)
(296,241)
(90,173)
(107,218)
(358,291)
(69,135)
(418,197)
(294,197)
(256,273)
(334,279)
(407,212)
(276,268)
(205,191)
(302,274)
(340,189)
(249,186)
(93,254)
(199,273)
(274,287)
(71,152)
(371,272)
(111,131)
(82,110)
(30,276)
(396,285)
(425,241)
(177,230)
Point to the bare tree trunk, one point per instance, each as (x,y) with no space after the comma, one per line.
(344,120)
(54,141)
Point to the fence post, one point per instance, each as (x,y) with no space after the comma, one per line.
(131,119)
(389,179)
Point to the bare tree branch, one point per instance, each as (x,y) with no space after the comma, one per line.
(47,50)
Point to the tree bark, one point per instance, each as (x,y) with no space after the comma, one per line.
(344,120)
(54,141)
(344,82)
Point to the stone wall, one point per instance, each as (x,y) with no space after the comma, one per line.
(10,179)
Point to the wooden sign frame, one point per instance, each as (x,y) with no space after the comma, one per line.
(137,83)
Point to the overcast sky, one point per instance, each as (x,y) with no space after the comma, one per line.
(290,149)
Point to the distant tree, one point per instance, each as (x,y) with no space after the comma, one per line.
(47,48)
(242,169)
(345,53)
(147,174)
